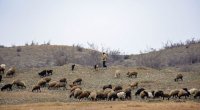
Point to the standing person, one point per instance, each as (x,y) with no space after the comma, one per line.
(104,59)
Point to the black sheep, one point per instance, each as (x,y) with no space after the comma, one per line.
(49,72)
(7,86)
(158,94)
(77,81)
(0,78)
(73,66)
(107,86)
(42,73)
(139,91)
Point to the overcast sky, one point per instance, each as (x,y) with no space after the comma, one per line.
(127,25)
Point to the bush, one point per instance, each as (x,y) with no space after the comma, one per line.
(126,57)
(19,49)
(60,57)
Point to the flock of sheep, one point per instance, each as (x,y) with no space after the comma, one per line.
(108,92)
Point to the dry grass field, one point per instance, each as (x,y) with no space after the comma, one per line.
(148,78)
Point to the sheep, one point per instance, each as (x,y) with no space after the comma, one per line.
(19,83)
(84,94)
(2,68)
(10,72)
(117,73)
(77,92)
(41,83)
(77,81)
(36,87)
(133,85)
(131,74)
(128,93)
(183,92)
(116,88)
(151,94)
(42,73)
(197,94)
(47,79)
(107,86)
(174,93)
(158,94)
(121,95)
(60,84)
(96,67)
(178,76)
(112,95)
(64,80)
(101,95)
(72,85)
(52,84)
(144,94)
(72,67)
(0,78)
(7,87)
(75,87)
(93,96)
(49,72)
(193,91)
(139,91)
(166,95)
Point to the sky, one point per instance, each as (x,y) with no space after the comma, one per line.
(130,26)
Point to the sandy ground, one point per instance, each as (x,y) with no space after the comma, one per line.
(121,105)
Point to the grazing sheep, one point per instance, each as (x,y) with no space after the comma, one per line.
(61,84)
(131,74)
(133,85)
(128,93)
(121,95)
(193,91)
(0,78)
(36,87)
(116,88)
(178,76)
(77,81)
(47,79)
(101,95)
(84,94)
(19,83)
(42,73)
(158,94)
(42,83)
(7,87)
(72,67)
(112,95)
(139,91)
(52,84)
(49,72)
(63,80)
(2,68)
(107,86)
(77,92)
(151,94)
(197,94)
(117,73)
(72,85)
(96,67)
(144,94)
(10,72)
(183,92)
(93,96)
(166,95)
(174,93)
(75,87)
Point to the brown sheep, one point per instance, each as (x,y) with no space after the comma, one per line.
(10,72)
(117,73)
(93,96)
(77,81)
(64,80)
(174,93)
(60,84)
(42,83)
(116,88)
(84,94)
(133,85)
(72,85)
(77,92)
(52,84)
(112,95)
(36,87)
(101,95)
(183,92)
(19,83)
(178,76)
(197,94)
(72,92)
(131,74)
(75,87)
(2,68)
(47,79)
(166,95)
(144,94)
